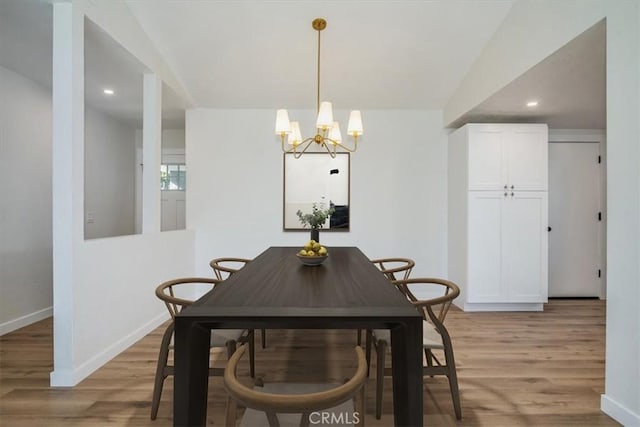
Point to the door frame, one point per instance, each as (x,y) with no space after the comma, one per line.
(598,136)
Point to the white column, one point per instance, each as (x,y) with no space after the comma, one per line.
(67,179)
(151,151)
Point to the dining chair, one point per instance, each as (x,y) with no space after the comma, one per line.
(392,268)
(434,336)
(172,294)
(225,267)
(304,404)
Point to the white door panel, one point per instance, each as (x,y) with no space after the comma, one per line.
(527,159)
(525,245)
(574,203)
(172,213)
(486,162)
(485,246)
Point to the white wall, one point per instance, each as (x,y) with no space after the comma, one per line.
(109,191)
(25,202)
(173,139)
(103,288)
(532,30)
(398,186)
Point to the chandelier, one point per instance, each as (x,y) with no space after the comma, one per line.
(328,134)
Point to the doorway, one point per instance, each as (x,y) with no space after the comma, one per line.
(575,220)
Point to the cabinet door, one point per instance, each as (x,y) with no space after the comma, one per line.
(487,170)
(484,283)
(525,246)
(526,149)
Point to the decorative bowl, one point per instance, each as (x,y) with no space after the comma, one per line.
(311,260)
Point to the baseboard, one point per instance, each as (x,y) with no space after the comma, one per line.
(618,412)
(26,320)
(71,377)
(528,306)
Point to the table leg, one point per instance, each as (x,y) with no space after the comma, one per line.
(191,355)
(406,362)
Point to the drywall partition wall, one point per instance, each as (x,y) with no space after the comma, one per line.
(103,288)
(531,31)
(25,211)
(109,176)
(117,298)
(398,186)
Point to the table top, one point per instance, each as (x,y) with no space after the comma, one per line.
(276,284)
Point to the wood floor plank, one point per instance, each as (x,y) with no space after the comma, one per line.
(529,369)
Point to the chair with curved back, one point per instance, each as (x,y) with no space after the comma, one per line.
(225,267)
(392,268)
(305,404)
(220,338)
(434,336)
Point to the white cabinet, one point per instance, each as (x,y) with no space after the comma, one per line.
(498,236)
(513,157)
(507,247)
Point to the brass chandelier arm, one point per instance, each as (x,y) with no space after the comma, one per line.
(344,147)
(325,142)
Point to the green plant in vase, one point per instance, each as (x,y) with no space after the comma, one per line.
(316,219)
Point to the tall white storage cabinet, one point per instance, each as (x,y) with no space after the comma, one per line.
(498,216)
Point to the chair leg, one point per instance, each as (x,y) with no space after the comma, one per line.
(163,356)
(264,338)
(252,353)
(453,382)
(273,419)
(230,420)
(381,349)
(369,338)
(231,348)
(429,357)
(304,420)
(360,407)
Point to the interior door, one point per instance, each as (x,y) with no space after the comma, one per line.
(172,214)
(574,204)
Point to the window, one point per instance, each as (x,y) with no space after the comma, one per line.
(173,177)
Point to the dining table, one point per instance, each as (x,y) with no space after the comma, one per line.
(276,291)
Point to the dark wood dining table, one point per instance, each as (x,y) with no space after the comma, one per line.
(276,291)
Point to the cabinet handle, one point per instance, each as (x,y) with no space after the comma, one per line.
(512,187)
(505,186)
(505,194)
(512,194)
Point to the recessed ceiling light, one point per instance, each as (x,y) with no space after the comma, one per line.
(108,91)
(532,104)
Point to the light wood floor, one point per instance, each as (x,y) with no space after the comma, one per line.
(536,369)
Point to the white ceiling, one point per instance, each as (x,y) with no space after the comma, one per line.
(375,54)
(569,86)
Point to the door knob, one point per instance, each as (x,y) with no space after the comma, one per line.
(548,228)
